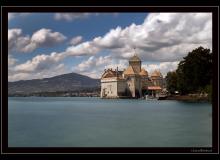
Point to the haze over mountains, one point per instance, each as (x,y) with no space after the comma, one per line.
(65,82)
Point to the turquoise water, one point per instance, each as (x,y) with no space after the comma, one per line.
(95,122)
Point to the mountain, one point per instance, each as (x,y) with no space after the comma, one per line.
(65,82)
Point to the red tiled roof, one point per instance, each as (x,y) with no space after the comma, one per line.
(154,88)
(111,73)
(143,72)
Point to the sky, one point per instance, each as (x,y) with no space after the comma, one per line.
(42,45)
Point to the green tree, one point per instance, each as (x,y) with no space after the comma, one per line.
(171,80)
(194,71)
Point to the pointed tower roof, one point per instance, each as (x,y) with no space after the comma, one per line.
(129,71)
(143,72)
(156,73)
(135,58)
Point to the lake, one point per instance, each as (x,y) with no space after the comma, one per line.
(95,122)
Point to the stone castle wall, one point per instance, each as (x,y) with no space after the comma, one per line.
(109,88)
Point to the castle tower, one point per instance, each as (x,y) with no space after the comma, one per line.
(135,63)
(133,77)
(157,78)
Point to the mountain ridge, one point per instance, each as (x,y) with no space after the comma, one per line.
(65,82)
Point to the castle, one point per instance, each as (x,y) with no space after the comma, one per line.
(133,82)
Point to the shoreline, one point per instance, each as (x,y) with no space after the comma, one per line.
(190,98)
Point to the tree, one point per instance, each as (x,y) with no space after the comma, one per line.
(194,71)
(171,80)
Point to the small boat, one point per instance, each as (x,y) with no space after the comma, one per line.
(147,97)
(162,96)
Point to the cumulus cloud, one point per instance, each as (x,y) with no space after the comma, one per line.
(13,35)
(40,66)
(40,63)
(50,72)
(76,40)
(45,37)
(93,62)
(41,38)
(163,67)
(163,38)
(94,66)
(82,49)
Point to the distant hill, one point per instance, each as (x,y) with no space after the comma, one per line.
(65,82)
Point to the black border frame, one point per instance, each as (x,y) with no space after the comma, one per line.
(55,150)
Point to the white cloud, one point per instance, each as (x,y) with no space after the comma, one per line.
(45,37)
(41,38)
(11,61)
(120,64)
(53,71)
(13,35)
(111,40)
(82,49)
(72,16)
(14,15)
(161,37)
(164,67)
(93,62)
(76,40)
(40,62)
(40,66)
(18,76)
(94,66)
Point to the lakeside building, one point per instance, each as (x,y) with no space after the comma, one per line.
(133,82)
